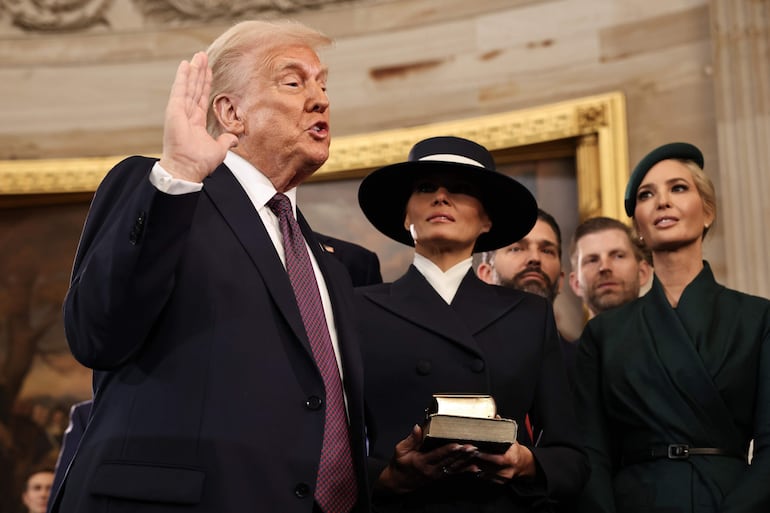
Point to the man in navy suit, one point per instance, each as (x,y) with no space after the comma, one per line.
(532,264)
(207,392)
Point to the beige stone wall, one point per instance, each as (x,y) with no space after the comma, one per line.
(99,88)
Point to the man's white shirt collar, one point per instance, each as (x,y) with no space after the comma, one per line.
(257,186)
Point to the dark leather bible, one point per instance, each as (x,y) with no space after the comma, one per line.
(467,419)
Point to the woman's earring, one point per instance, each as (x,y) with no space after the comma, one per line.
(412,232)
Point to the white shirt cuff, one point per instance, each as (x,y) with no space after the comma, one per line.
(164,182)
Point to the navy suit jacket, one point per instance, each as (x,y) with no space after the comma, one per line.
(569,350)
(206,393)
(362,264)
(79,414)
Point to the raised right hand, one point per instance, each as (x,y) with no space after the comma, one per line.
(189,152)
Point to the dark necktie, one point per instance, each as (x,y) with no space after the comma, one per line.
(336,482)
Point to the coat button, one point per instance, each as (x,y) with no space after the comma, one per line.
(302,490)
(424,367)
(136,231)
(313,402)
(477,365)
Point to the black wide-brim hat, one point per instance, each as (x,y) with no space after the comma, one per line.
(676,150)
(511,208)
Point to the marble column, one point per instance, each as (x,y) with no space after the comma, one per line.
(740,32)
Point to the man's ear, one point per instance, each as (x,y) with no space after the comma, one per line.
(574,285)
(561,281)
(228,115)
(645,272)
(486,273)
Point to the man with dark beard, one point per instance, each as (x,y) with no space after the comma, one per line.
(532,264)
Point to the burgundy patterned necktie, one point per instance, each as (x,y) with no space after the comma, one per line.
(336,483)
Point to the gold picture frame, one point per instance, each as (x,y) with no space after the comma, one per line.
(592,128)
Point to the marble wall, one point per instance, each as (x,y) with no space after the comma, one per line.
(93,80)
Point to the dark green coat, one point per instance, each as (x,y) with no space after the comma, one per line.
(699,374)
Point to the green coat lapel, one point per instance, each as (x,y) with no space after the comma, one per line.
(676,335)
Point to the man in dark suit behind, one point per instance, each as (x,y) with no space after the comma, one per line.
(362,264)
(209,392)
(532,264)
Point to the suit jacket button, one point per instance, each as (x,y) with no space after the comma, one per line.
(424,367)
(477,365)
(302,490)
(313,402)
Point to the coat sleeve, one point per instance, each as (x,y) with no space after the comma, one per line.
(597,497)
(559,455)
(752,493)
(124,268)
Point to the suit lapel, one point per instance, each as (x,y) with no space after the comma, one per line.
(479,304)
(319,253)
(678,355)
(412,298)
(336,296)
(236,208)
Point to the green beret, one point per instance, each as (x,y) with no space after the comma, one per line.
(677,150)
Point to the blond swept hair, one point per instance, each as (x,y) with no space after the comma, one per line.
(706,190)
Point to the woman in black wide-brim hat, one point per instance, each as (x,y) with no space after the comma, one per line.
(439,329)
(672,387)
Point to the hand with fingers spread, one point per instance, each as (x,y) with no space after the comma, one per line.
(189,151)
(410,468)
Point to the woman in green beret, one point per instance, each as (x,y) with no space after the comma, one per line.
(672,387)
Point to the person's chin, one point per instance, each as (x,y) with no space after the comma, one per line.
(535,288)
(315,159)
(320,155)
(609,300)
